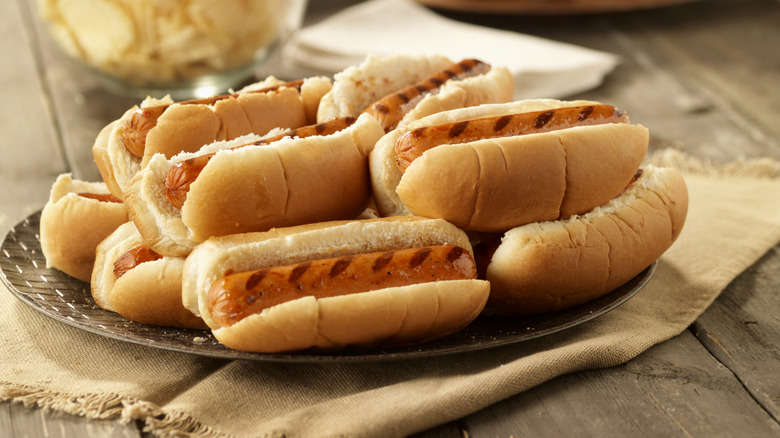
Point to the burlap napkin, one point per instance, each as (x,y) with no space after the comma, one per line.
(734,218)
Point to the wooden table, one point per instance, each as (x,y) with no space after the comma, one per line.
(703,76)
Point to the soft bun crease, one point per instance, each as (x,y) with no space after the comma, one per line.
(357,87)
(386,317)
(186,127)
(149,293)
(494,184)
(550,266)
(71,226)
(289,182)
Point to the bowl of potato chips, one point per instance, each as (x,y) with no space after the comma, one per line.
(183,48)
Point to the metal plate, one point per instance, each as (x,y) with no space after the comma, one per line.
(65,299)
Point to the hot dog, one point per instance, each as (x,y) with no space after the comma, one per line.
(290,181)
(168,127)
(184,173)
(495,167)
(139,284)
(550,266)
(401,88)
(328,286)
(77,216)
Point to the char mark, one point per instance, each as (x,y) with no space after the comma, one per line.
(543,118)
(419,257)
(298,272)
(255,279)
(382,261)
(340,266)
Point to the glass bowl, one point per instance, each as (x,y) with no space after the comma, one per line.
(185,49)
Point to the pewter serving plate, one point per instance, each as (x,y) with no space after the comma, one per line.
(65,299)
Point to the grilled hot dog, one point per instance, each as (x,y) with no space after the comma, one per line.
(130,279)
(336,284)
(183,173)
(412,144)
(236,296)
(142,120)
(401,88)
(506,165)
(163,126)
(390,109)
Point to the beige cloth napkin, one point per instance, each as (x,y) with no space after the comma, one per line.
(541,68)
(734,219)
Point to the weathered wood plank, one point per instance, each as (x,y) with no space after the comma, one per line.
(742,330)
(674,389)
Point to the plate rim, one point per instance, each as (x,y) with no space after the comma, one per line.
(614,299)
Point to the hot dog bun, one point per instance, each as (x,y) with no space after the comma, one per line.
(357,87)
(187,126)
(495,184)
(289,182)
(72,226)
(149,293)
(391,316)
(550,266)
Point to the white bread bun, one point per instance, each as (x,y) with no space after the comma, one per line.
(72,226)
(357,87)
(186,126)
(149,293)
(494,184)
(550,266)
(391,316)
(288,182)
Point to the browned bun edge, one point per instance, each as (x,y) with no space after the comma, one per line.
(495,184)
(550,266)
(72,226)
(338,325)
(150,293)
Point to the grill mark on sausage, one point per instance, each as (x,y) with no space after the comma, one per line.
(319,128)
(403,97)
(298,271)
(419,257)
(458,129)
(454,254)
(255,279)
(585,113)
(382,261)
(381,108)
(501,123)
(435,81)
(340,265)
(543,118)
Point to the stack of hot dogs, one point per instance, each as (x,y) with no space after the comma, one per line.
(389,206)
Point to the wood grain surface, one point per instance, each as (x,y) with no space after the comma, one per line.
(702,76)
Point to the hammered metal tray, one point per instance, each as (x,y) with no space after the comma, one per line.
(65,299)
